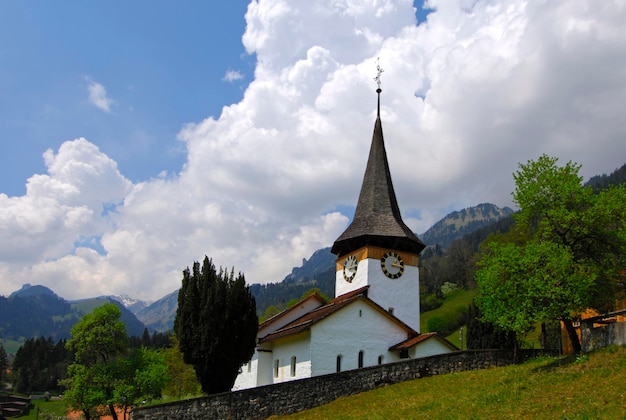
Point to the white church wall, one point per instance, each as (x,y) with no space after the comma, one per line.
(264,367)
(247,378)
(357,327)
(401,294)
(430,347)
(292,358)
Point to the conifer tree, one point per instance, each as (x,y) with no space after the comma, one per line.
(216,324)
(4,365)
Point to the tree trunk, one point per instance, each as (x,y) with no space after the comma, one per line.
(87,415)
(573,337)
(113,412)
(543,335)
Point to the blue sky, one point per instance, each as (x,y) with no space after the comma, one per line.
(163,63)
(137,137)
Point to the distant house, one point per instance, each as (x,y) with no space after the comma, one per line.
(596,330)
(375,316)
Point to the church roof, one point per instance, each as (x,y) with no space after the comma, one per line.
(414,341)
(306,321)
(377,220)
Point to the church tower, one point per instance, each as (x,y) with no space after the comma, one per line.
(378,249)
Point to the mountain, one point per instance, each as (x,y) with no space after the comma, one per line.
(134,327)
(319,263)
(35,311)
(460,223)
(130,303)
(28,290)
(159,316)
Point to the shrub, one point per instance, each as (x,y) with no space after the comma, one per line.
(430,302)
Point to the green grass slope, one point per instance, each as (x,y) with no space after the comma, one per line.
(458,299)
(589,387)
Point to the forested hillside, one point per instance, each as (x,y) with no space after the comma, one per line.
(35,311)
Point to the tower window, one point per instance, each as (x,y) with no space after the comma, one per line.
(390,310)
(360,313)
(276,362)
(338,363)
(380,359)
(361,359)
(293,365)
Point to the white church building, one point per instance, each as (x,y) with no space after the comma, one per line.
(375,316)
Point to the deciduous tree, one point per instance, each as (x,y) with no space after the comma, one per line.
(216,324)
(182,378)
(568,254)
(97,340)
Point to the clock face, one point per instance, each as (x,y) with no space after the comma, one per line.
(349,268)
(392,265)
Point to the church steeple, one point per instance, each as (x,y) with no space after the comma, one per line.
(377,220)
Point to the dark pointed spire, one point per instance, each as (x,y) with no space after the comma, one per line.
(377,220)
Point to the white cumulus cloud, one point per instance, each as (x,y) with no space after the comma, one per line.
(467,95)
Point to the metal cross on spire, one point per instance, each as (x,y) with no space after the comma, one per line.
(379,71)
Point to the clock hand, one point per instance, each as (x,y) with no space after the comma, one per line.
(396,264)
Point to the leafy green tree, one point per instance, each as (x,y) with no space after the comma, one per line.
(182,378)
(98,340)
(568,252)
(216,324)
(138,377)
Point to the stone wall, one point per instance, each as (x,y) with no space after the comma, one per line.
(602,336)
(291,397)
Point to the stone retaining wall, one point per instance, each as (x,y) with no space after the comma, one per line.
(291,397)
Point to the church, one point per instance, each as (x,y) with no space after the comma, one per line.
(375,316)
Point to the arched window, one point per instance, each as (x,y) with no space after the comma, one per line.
(339,363)
(380,359)
(293,365)
(361,359)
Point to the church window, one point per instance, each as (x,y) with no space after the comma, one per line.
(361,359)
(339,363)
(276,362)
(380,359)
(293,365)
(360,313)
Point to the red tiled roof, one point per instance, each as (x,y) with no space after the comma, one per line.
(281,314)
(407,344)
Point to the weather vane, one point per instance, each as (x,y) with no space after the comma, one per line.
(379,71)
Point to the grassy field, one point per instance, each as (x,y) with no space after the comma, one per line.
(54,407)
(589,387)
(458,298)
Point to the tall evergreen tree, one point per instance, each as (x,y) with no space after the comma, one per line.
(4,365)
(216,324)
